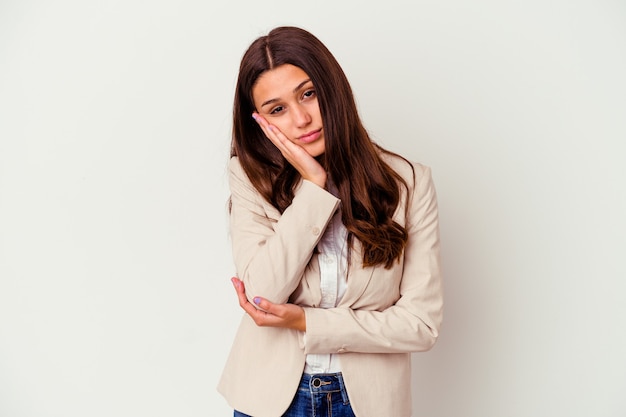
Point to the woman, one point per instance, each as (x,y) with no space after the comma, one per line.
(335,241)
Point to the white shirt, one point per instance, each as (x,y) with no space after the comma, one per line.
(333,263)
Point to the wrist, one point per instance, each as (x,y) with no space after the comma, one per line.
(319,180)
(301,326)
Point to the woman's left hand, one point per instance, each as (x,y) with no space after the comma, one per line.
(289,316)
(295,154)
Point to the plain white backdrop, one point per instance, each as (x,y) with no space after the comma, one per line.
(115,297)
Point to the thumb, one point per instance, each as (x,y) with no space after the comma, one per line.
(262,303)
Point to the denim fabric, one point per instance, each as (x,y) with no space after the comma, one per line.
(319,395)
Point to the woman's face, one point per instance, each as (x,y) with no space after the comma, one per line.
(286,98)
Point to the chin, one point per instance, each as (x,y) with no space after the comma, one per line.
(315,149)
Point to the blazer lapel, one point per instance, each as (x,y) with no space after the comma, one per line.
(358,276)
(311,282)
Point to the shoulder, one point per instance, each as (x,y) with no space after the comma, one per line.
(234,165)
(236,171)
(238,179)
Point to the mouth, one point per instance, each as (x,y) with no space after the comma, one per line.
(310,136)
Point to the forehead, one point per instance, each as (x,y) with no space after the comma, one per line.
(278,82)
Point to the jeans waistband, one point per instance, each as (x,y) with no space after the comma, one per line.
(323,383)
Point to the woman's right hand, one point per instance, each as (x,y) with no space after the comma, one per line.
(289,316)
(307,166)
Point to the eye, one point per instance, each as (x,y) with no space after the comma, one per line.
(277,110)
(308,94)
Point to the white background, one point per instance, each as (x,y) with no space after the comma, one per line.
(115,261)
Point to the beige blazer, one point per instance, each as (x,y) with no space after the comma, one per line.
(384,315)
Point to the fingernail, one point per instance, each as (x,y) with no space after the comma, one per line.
(254,116)
(257,300)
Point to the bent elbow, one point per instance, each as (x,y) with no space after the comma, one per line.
(426,339)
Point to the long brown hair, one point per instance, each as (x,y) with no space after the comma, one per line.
(368,188)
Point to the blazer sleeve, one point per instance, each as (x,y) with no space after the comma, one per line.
(412,323)
(271,251)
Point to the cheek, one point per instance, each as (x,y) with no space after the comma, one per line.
(284,127)
(316,149)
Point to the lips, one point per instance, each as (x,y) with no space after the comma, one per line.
(311,136)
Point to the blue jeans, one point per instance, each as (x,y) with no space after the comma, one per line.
(319,395)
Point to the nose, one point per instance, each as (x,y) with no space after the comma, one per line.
(301,116)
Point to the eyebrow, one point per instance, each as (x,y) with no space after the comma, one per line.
(298,87)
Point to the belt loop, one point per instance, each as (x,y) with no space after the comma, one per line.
(344,393)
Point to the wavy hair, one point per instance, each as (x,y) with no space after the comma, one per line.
(368,188)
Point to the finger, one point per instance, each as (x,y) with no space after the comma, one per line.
(262,121)
(291,151)
(241,293)
(264,125)
(263,304)
(238,284)
(274,134)
(253,310)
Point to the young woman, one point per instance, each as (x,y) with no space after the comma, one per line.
(335,242)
